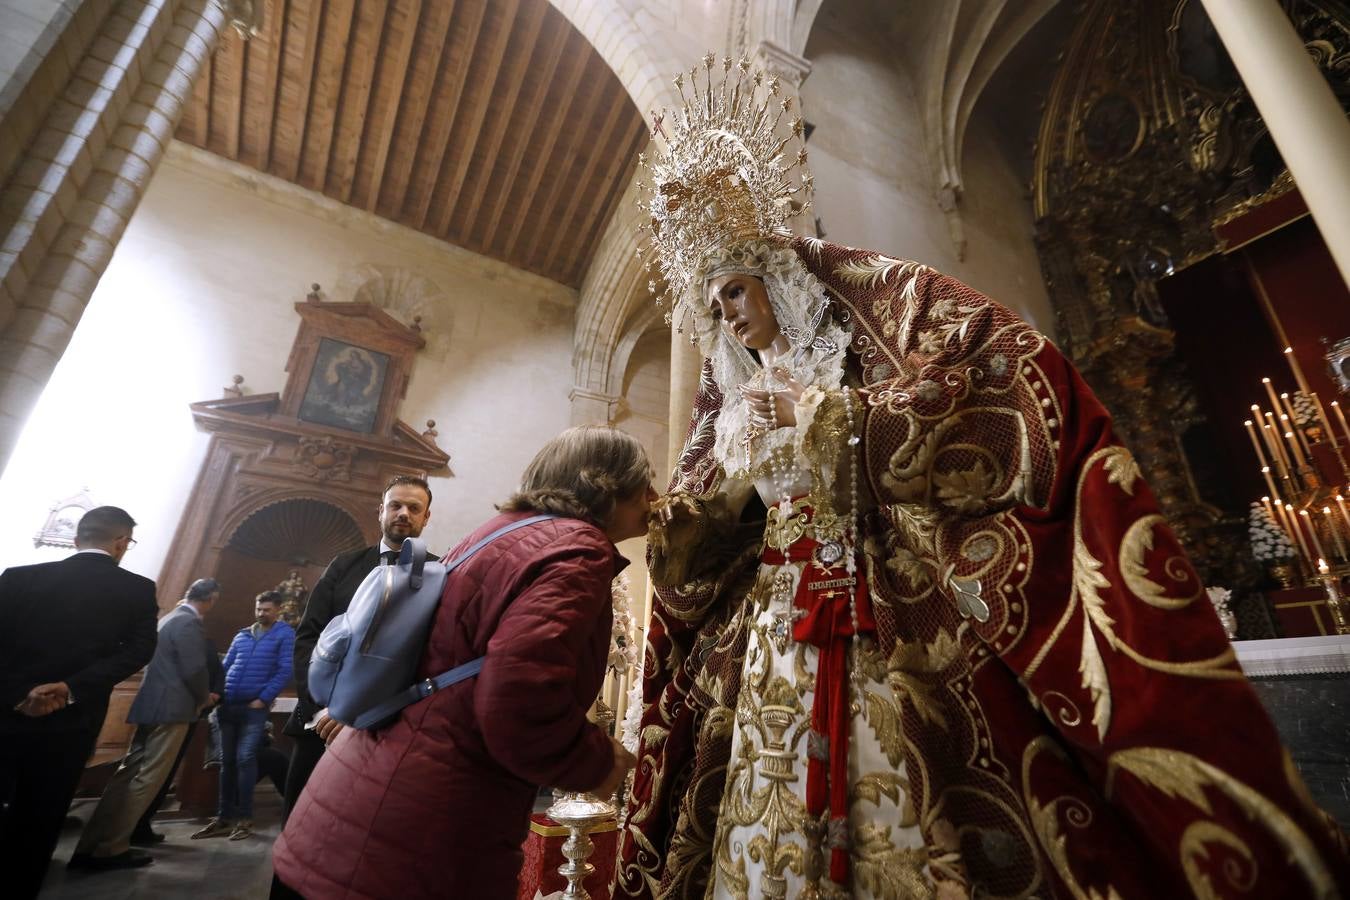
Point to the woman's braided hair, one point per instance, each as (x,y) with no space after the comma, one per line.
(582,473)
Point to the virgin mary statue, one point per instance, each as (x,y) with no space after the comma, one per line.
(921,630)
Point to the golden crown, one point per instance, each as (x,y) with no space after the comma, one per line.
(723,177)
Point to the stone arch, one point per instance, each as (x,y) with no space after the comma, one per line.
(642,64)
(802,20)
(644,320)
(612,290)
(950,52)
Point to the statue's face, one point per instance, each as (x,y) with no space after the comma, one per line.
(741,303)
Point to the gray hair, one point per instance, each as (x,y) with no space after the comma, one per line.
(582,473)
(201,589)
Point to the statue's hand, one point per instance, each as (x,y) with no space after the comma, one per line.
(777,407)
(671,507)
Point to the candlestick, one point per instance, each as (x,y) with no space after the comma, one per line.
(578,813)
(1335,599)
(1312,531)
(1293,424)
(1292,359)
(1341,416)
(1335,532)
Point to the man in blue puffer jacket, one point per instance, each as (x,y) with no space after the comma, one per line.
(257,667)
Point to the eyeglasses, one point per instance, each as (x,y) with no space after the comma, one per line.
(131,542)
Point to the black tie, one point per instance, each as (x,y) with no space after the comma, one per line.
(389,558)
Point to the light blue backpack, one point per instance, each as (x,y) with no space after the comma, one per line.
(366,659)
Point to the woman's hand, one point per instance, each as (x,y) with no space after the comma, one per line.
(623,761)
(326,727)
(778,407)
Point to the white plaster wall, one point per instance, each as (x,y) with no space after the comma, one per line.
(203,285)
(874,185)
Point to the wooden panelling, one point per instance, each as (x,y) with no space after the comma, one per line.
(490,124)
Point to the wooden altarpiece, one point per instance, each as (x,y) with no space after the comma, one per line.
(330,441)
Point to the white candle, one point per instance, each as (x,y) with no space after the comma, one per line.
(1270,390)
(1324,421)
(1292,359)
(1276,518)
(1291,520)
(1276,446)
(1341,416)
(1340,502)
(1287,427)
(1265,473)
(1251,433)
(1312,531)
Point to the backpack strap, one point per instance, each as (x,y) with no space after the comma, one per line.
(420,691)
(423,689)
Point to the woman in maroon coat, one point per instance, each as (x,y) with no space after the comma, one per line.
(438,804)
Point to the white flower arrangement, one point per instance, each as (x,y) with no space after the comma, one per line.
(1305,413)
(1269,542)
(631,726)
(1222,598)
(623,648)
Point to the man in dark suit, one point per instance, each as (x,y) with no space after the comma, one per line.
(403,513)
(69,631)
(174,691)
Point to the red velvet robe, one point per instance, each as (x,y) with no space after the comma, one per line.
(1091,735)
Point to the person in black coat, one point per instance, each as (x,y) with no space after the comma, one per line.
(404,512)
(69,632)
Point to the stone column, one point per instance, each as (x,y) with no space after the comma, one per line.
(686,364)
(79,181)
(1298,106)
(593,407)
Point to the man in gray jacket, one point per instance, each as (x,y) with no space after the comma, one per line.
(175,689)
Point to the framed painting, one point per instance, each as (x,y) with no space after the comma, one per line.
(345,386)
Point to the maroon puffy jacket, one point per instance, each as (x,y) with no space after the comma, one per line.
(438,804)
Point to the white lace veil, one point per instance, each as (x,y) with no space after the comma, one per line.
(799,302)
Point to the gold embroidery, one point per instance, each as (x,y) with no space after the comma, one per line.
(1179,774)
(1121,469)
(910,670)
(1045,821)
(782,530)
(1087,584)
(1194,849)
(1137,541)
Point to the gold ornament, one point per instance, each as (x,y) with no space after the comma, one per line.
(724,175)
